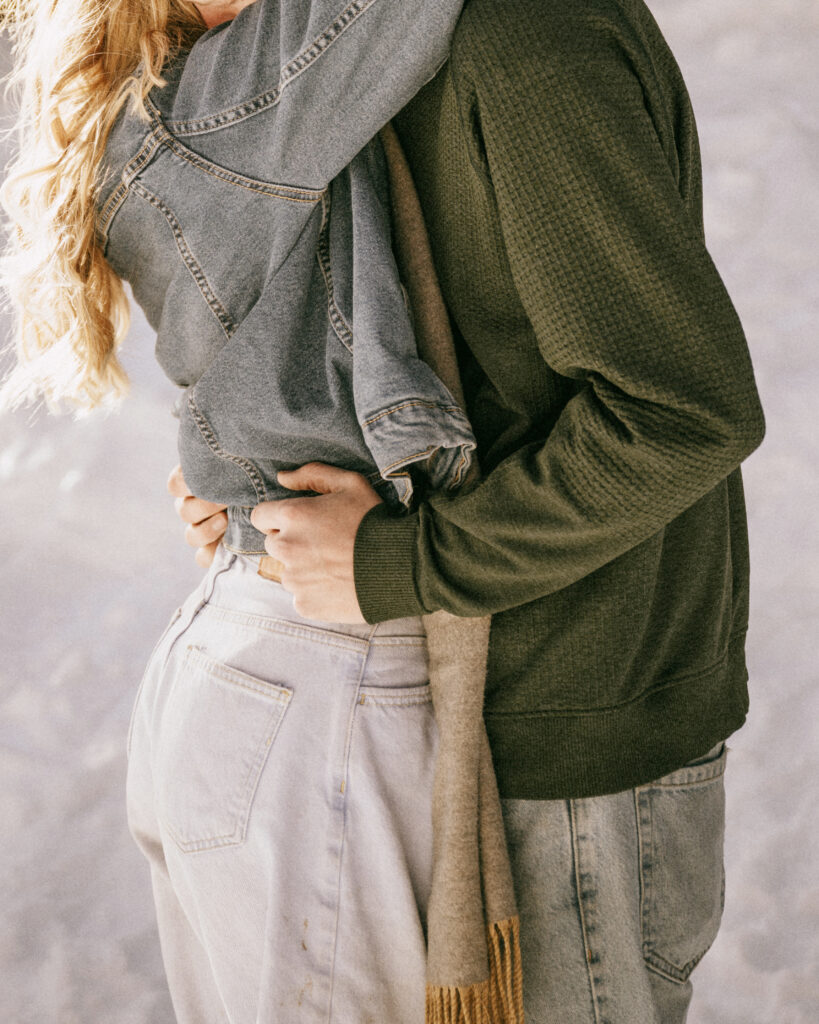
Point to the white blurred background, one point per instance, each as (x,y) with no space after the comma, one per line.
(93,563)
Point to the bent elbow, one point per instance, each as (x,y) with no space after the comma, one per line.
(744,431)
(752,433)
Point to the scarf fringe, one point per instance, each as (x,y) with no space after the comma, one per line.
(499,999)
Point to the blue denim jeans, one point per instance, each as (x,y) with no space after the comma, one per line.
(280,784)
(619,896)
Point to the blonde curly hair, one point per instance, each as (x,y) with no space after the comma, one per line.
(76,62)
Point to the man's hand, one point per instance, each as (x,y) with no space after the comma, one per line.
(206,520)
(314,537)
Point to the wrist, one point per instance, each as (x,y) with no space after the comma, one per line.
(384,559)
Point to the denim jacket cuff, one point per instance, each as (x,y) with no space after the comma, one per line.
(384,565)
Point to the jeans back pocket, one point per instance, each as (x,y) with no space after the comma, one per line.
(681,832)
(213,740)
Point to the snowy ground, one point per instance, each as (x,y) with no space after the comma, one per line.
(93,564)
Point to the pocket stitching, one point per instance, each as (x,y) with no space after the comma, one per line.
(341,328)
(278,695)
(219,312)
(654,961)
(370,699)
(692,775)
(248,467)
(236,677)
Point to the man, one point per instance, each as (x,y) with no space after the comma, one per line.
(610,389)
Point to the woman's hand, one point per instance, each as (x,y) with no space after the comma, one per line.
(314,538)
(206,520)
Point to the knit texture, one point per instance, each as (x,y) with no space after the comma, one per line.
(609,385)
(473,932)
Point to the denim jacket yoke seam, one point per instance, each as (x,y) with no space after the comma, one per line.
(129,173)
(188,258)
(275,190)
(158,137)
(288,73)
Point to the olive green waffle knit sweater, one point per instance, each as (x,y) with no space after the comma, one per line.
(610,388)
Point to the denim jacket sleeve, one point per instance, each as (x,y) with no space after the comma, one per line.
(322,77)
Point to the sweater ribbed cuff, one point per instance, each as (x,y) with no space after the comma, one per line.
(384,565)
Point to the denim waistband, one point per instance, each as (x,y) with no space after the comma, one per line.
(241,536)
(239,588)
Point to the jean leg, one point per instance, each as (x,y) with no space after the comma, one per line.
(619,897)
(193,993)
(195,997)
(279,785)
(386,870)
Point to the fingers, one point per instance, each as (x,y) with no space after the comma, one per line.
(279,547)
(195,510)
(209,531)
(268,516)
(319,477)
(176,483)
(204,555)
(207,520)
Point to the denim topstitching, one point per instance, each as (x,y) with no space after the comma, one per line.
(291,71)
(190,261)
(278,695)
(210,440)
(341,803)
(129,173)
(357,646)
(654,961)
(273,190)
(581,896)
(341,328)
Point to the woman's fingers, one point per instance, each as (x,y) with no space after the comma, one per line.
(209,531)
(196,510)
(176,483)
(207,520)
(204,555)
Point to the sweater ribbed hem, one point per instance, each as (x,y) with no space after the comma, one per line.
(548,755)
(383,558)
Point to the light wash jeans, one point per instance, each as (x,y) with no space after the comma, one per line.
(619,897)
(279,783)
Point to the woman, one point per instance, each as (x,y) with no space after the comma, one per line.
(279,777)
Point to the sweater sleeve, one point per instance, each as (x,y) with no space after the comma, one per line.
(612,270)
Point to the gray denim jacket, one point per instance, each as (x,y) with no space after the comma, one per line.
(250,217)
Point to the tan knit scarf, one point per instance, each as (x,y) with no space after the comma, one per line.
(473,933)
(473,947)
